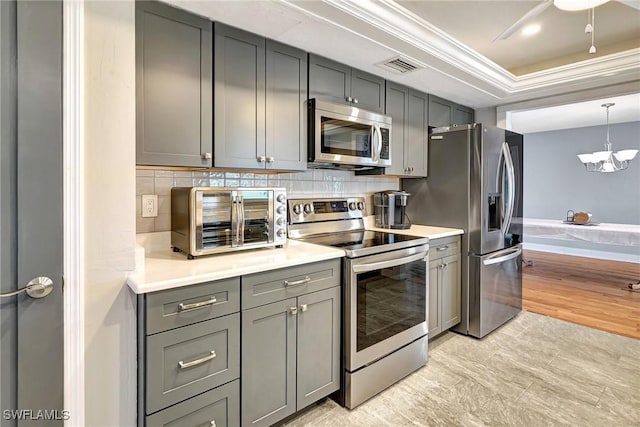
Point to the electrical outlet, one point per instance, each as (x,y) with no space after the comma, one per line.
(149,205)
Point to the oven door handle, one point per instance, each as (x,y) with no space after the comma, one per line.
(362,268)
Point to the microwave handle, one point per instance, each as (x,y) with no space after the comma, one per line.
(377,148)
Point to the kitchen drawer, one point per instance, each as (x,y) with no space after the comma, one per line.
(444,246)
(219,407)
(265,288)
(217,299)
(187,361)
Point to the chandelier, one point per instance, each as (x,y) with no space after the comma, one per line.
(607,160)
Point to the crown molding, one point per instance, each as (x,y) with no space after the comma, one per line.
(463,63)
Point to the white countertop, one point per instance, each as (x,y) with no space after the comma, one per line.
(161,268)
(165,269)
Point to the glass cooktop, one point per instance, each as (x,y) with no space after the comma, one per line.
(366,242)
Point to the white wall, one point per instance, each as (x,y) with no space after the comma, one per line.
(110,329)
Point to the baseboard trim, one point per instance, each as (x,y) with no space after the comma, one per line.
(587,253)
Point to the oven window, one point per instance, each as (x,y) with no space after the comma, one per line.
(345,138)
(256,216)
(216,220)
(390,301)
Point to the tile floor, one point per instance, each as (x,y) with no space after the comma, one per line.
(533,371)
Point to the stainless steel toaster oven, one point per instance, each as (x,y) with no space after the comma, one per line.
(208,220)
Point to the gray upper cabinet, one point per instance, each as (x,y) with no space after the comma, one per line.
(286,127)
(440,111)
(259,108)
(173,87)
(239,98)
(462,115)
(418,134)
(445,113)
(332,81)
(409,110)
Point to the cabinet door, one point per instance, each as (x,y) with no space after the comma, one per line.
(450,291)
(318,345)
(462,115)
(367,91)
(440,111)
(173,86)
(286,85)
(239,102)
(268,373)
(397,102)
(434,325)
(329,80)
(415,147)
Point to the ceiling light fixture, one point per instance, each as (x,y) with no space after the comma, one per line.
(592,49)
(574,5)
(607,161)
(530,30)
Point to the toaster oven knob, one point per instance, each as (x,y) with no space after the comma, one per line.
(280,221)
(361,205)
(297,209)
(352,206)
(281,210)
(281,198)
(281,233)
(307,208)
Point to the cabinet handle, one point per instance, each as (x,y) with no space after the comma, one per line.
(185,307)
(442,248)
(306,279)
(355,100)
(411,169)
(444,265)
(303,307)
(213,423)
(185,365)
(271,159)
(206,156)
(294,311)
(349,99)
(262,159)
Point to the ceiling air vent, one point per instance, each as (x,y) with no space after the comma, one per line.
(399,65)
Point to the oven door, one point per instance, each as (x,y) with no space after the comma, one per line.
(385,305)
(255,217)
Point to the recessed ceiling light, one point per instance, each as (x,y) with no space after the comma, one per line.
(530,30)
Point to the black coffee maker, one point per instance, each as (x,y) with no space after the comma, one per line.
(389,208)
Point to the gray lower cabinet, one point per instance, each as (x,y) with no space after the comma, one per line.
(173,87)
(444,284)
(290,346)
(189,347)
(259,102)
(335,82)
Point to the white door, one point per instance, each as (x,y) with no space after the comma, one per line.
(31,340)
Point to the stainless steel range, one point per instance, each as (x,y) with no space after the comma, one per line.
(384,293)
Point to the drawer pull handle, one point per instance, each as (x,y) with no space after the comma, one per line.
(213,423)
(306,279)
(185,365)
(185,307)
(304,307)
(442,248)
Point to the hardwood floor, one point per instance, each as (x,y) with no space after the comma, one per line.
(586,291)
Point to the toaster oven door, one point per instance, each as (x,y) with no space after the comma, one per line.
(216,219)
(255,214)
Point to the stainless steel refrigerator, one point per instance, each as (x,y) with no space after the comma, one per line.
(474,183)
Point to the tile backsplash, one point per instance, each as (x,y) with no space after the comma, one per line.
(315,183)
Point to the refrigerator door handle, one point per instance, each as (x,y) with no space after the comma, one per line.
(511,182)
(500,257)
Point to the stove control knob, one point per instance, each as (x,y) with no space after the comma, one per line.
(297,209)
(361,205)
(281,198)
(280,221)
(352,206)
(307,208)
(281,233)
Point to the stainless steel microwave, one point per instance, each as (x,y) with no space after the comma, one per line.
(347,137)
(208,220)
